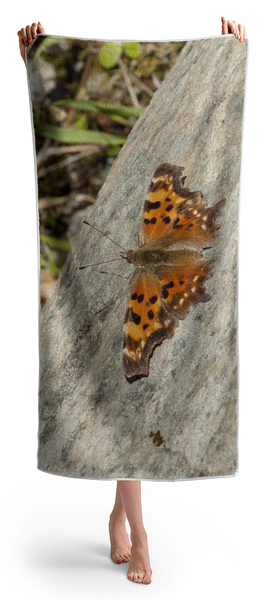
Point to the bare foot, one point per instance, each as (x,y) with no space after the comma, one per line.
(120,543)
(139,566)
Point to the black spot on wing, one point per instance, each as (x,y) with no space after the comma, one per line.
(165,288)
(151,205)
(139,298)
(134,317)
(177,224)
(147,221)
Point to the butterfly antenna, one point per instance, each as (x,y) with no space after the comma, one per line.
(100,263)
(86,222)
(116,274)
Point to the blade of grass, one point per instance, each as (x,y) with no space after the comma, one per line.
(79,136)
(116,109)
(55,242)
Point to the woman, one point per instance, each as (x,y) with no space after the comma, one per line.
(128,493)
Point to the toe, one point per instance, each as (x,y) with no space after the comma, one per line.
(147,579)
(117,558)
(125,559)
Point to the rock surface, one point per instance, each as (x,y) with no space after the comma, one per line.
(181,421)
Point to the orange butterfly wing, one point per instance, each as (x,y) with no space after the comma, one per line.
(158,300)
(184,286)
(173,214)
(147,322)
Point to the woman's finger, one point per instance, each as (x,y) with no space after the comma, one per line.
(23,34)
(236,32)
(241,32)
(21,42)
(21,45)
(28,33)
(230,26)
(34,27)
(41,29)
(224,26)
(19,33)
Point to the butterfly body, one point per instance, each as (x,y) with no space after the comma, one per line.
(177,225)
(145,256)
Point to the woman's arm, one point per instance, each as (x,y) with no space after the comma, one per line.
(27,34)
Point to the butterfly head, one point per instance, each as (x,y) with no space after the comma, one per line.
(128,255)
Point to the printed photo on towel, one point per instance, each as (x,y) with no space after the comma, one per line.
(86,98)
(138,150)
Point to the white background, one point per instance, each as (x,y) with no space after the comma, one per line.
(209,539)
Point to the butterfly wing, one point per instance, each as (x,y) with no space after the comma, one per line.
(162,294)
(147,323)
(182,287)
(173,214)
(158,300)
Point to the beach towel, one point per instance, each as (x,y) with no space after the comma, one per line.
(137,150)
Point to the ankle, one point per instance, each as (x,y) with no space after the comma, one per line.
(138,535)
(119,517)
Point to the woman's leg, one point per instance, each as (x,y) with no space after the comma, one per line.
(139,566)
(120,543)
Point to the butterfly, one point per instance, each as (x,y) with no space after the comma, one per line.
(176,226)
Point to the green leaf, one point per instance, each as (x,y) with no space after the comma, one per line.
(79,136)
(132,49)
(122,110)
(110,53)
(55,242)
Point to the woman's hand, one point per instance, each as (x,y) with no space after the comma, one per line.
(233,27)
(27,34)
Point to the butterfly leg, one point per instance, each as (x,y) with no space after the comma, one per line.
(116,274)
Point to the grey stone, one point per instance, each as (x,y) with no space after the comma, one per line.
(181,421)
